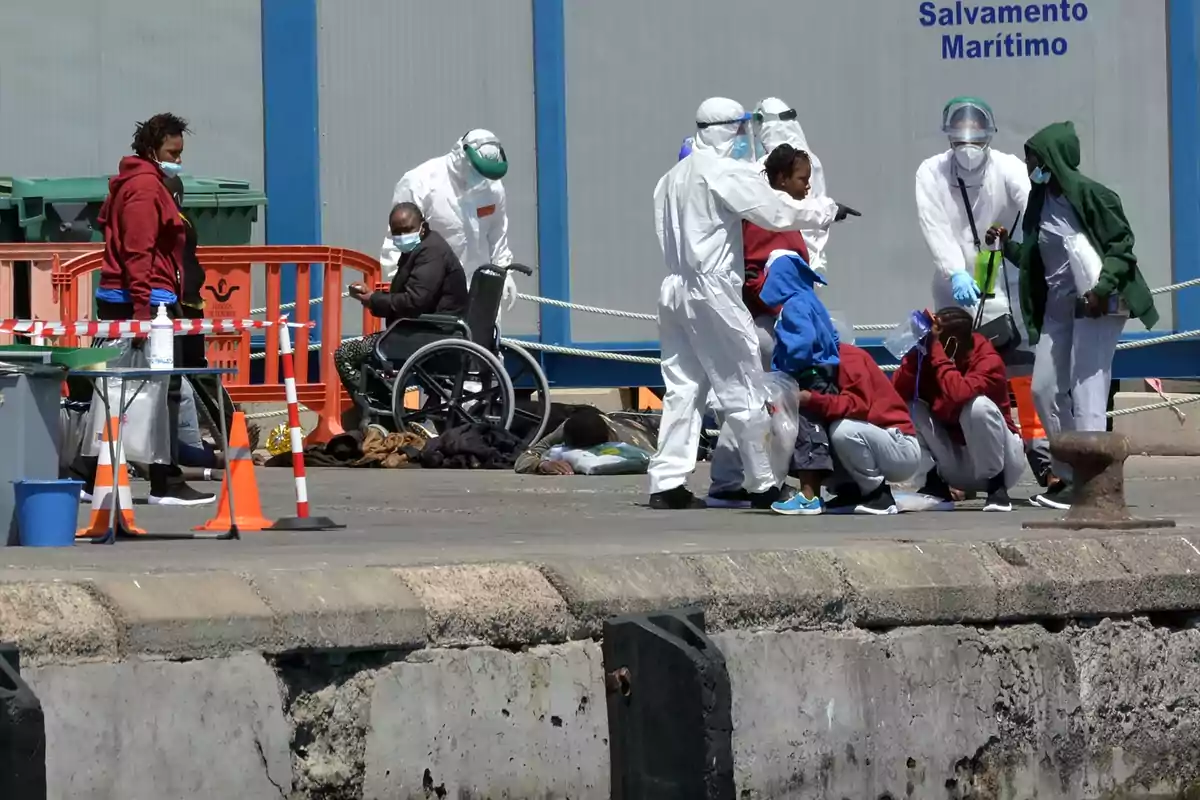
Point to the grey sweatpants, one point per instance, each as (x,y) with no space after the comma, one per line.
(1072,371)
(726,470)
(991,448)
(867,455)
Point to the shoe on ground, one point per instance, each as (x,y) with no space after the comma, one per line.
(181,494)
(777,494)
(1057,497)
(936,487)
(878,503)
(85,496)
(737,498)
(845,500)
(997,496)
(799,506)
(677,499)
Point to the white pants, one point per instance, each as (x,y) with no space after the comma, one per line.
(726,462)
(708,340)
(991,448)
(868,455)
(1073,370)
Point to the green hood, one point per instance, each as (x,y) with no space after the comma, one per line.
(1057,146)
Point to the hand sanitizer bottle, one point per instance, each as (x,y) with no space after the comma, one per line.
(162,340)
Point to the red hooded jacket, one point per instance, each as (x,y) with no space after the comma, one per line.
(864,393)
(143,235)
(947,389)
(757,246)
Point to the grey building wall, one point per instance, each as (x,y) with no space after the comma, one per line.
(400,82)
(75,75)
(870,82)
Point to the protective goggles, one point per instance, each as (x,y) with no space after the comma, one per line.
(742,120)
(783,116)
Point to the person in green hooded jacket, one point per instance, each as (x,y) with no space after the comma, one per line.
(1080,282)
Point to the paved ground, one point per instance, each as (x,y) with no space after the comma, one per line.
(421,516)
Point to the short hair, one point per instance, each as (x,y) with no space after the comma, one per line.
(407,209)
(586,427)
(782,161)
(957,321)
(148,136)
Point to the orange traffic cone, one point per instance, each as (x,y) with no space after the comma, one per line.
(1027,418)
(102,492)
(241,471)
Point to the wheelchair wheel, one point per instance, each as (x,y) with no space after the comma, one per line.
(459,383)
(529,421)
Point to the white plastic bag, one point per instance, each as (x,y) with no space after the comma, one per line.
(612,458)
(782,395)
(146,434)
(1085,262)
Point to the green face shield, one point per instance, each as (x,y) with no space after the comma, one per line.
(968,119)
(488,158)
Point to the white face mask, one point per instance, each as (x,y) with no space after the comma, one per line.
(970,156)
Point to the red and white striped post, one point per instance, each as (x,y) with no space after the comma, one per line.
(302,521)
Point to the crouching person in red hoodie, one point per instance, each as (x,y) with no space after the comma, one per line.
(871,434)
(962,412)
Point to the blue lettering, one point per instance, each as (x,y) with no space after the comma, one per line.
(1049,12)
(1037,47)
(952,47)
(946,18)
(1033,13)
(1009,15)
(1079,12)
(971,13)
(1005,44)
(1059,46)
(928,12)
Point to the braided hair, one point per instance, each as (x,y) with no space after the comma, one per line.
(958,324)
(148,136)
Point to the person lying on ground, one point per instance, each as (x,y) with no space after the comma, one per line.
(961,411)
(429,280)
(585,428)
(872,437)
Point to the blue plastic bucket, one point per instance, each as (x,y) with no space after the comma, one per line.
(47,512)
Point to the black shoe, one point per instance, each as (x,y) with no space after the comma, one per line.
(936,487)
(778,494)
(180,494)
(997,497)
(1057,497)
(845,500)
(738,498)
(677,499)
(878,503)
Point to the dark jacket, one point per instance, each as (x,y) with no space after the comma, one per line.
(143,235)
(1104,223)
(946,389)
(757,246)
(866,395)
(429,280)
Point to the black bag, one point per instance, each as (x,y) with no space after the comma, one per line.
(1002,331)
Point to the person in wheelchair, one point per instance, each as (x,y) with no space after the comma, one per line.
(429,280)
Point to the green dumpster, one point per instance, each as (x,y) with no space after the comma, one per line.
(65,209)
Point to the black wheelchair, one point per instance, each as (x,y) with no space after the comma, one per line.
(459,369)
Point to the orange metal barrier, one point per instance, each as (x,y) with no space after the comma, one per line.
(227,294)
(44,261)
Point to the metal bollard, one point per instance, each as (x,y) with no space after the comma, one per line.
(22,733)
(670,718)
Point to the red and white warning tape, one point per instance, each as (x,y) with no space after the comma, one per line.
(133,329)
(293,412)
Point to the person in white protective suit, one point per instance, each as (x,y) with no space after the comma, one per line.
(776,123)
(997,186)
(706,334)
(462,198)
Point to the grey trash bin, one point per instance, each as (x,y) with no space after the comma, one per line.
(30,395)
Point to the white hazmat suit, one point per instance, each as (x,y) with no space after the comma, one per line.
(775,123)
(707,337)
(467,209)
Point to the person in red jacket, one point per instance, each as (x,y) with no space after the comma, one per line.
(962,413)
(871,434)
(144,240)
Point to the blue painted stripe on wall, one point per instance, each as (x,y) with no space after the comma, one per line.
(550,108)
(291,130)
(1183,25)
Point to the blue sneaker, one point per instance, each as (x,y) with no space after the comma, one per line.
(799,506)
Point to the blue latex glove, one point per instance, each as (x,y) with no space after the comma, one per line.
(966,291)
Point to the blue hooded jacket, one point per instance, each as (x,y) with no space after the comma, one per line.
(804,333)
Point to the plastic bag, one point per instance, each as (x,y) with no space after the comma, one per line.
(1085,262)
(782,395)
(74,419)
(611,458)
(146,426)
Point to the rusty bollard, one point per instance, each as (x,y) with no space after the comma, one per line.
(1097,461)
